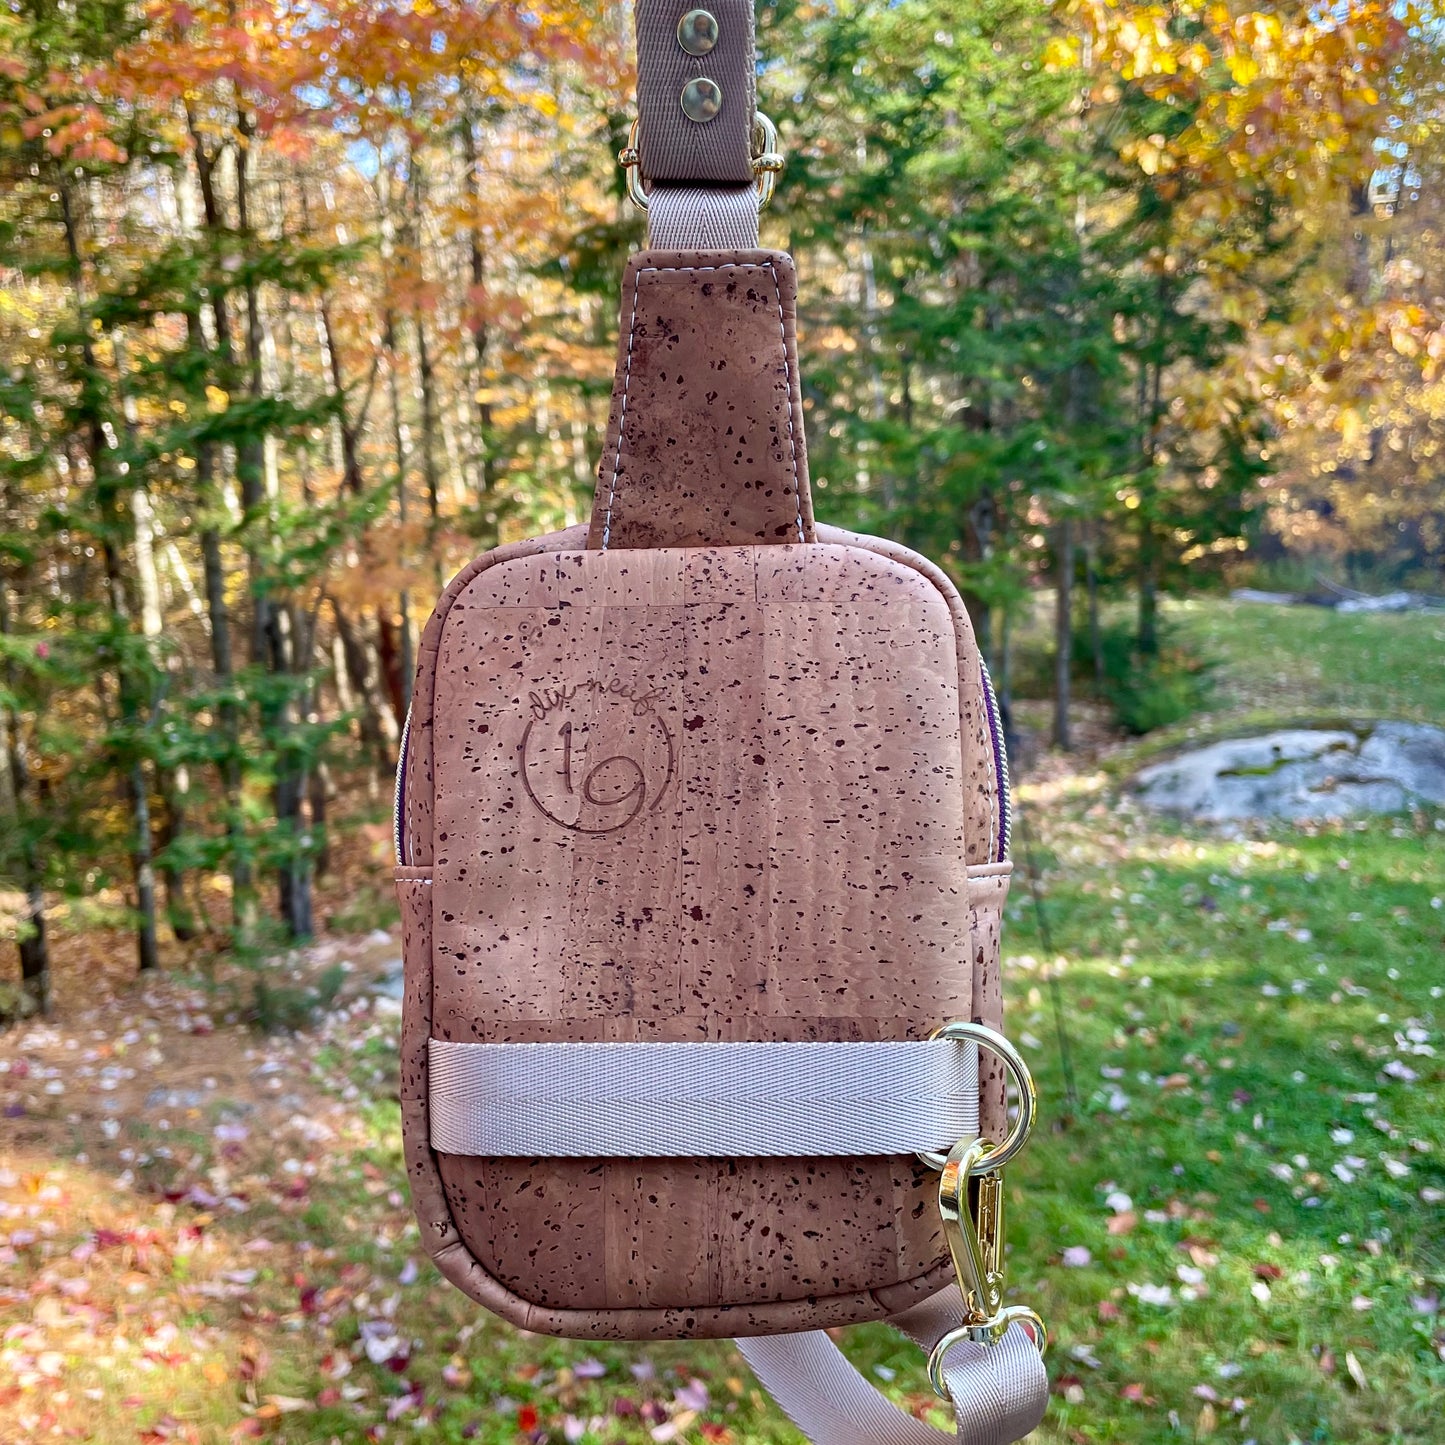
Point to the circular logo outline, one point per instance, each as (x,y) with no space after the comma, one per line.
(550,700)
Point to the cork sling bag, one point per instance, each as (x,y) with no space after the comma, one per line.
(702,836)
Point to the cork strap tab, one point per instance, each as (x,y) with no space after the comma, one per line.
(705,438)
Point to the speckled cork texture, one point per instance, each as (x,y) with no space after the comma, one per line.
(705,438)
(712,793)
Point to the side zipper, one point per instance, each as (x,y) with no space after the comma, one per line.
(398,797)
(1000,767)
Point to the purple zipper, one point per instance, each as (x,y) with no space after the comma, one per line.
(399,796)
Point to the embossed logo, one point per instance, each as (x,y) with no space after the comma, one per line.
(595,755)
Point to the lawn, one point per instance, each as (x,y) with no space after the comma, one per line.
(1310,661)
(1234,1226)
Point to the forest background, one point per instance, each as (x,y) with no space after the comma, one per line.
(303,305)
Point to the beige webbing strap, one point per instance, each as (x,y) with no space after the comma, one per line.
(999,1392)
(700,1100)
(703,218)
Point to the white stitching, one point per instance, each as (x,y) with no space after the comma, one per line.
(622,415)
(788,376)
(627,380)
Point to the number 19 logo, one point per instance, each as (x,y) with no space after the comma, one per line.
(594,756)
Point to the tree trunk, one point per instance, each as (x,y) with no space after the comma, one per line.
(1147,637)
(115,530)
(175,787)
(243,903)
(426,381)
(398,438)
(1091,574)
(477,318)
(172,783)
(288,794)
(1063,629)
(364,677)
(249,475)
(274,630)
(976,534)
(318,795)
(31,940)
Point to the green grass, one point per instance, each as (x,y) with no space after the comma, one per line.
(1212,1054)
(1296,660)
(1280,662)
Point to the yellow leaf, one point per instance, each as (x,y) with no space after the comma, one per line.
(1061,53)
(1243,68)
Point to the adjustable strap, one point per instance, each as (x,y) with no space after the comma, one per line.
(999,1392)
(695,90)
(717,1100)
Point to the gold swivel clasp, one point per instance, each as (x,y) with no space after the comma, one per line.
(971,1205)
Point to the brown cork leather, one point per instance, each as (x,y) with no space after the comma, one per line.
(705,438)
(789,833)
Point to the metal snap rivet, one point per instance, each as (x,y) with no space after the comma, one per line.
(701,99)
(697,32)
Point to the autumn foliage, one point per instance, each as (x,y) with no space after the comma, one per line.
(301,306)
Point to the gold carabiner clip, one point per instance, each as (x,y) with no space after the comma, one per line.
(974,1228)
(975,1242)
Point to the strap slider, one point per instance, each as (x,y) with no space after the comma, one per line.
(767,161)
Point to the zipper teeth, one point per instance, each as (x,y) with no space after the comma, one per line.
(400,788)
(1005,801)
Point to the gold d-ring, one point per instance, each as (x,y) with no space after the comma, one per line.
(767,161)
(963,1031)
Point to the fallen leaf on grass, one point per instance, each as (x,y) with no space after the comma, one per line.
(670,1429)
(1357,1373)
(287,1404)
(1124,1223)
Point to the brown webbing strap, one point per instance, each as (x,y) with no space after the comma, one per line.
(713,152)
